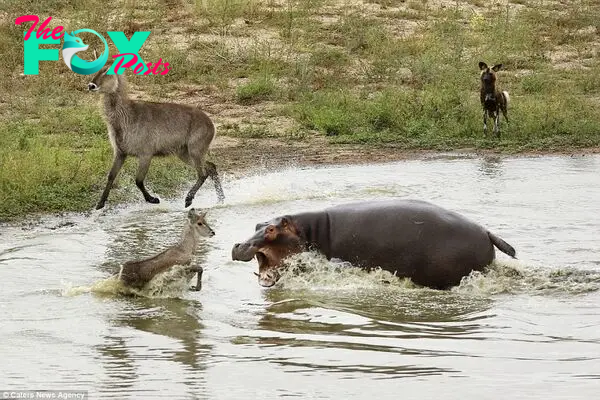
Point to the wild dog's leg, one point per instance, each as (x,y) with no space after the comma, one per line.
(118,161)
(143,167)
(198,269)
(484,122)
(211,170)
(496,123)
(504,107)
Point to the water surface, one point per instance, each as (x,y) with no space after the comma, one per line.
(525,329)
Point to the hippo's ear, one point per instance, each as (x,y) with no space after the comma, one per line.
(285,222)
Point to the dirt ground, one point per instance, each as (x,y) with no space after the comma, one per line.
(236,155)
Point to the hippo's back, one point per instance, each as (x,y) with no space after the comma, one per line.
(433,246)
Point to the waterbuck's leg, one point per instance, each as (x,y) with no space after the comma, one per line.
(211,170)
(141,175)
(118,161)
(202,175)
(198,269)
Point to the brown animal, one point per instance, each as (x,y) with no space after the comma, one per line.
(137,273)
(145,129)
(492,100)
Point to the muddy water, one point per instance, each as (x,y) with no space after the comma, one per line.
(525,329)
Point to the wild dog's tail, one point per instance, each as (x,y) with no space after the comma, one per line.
(506,97)
(502,245)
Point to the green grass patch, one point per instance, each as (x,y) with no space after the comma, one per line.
(256,90)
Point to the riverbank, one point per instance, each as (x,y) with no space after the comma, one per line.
(236,157)
(317,81)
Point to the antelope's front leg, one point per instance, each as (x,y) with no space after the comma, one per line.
(198,269)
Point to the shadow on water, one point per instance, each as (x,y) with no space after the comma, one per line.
(175,319)
(491,166)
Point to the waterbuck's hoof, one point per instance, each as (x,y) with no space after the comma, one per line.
(153,200)
(188,202)
(99,206)
(195,288)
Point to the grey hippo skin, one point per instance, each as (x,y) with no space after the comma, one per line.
(433,246)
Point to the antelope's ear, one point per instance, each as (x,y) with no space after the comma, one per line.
(497,67)
(482,65)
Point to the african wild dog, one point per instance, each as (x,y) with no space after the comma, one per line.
(492,100)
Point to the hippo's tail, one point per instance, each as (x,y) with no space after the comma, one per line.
(502,245)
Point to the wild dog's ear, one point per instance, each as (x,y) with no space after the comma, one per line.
(497,67)
(482,65)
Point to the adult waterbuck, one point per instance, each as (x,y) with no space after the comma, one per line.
(146,129)
(492,100)
(136,274)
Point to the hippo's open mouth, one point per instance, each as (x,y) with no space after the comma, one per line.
(267,275)
(263,261)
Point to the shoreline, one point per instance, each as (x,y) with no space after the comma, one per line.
(235,157)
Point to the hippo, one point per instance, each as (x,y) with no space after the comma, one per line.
(415,239)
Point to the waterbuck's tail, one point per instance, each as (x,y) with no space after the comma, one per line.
(502,245)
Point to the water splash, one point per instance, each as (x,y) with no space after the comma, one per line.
(311,271)
(173,283)
(512,277)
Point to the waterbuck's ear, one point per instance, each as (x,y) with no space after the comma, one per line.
(482,65)
(497,67)
(192,213)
